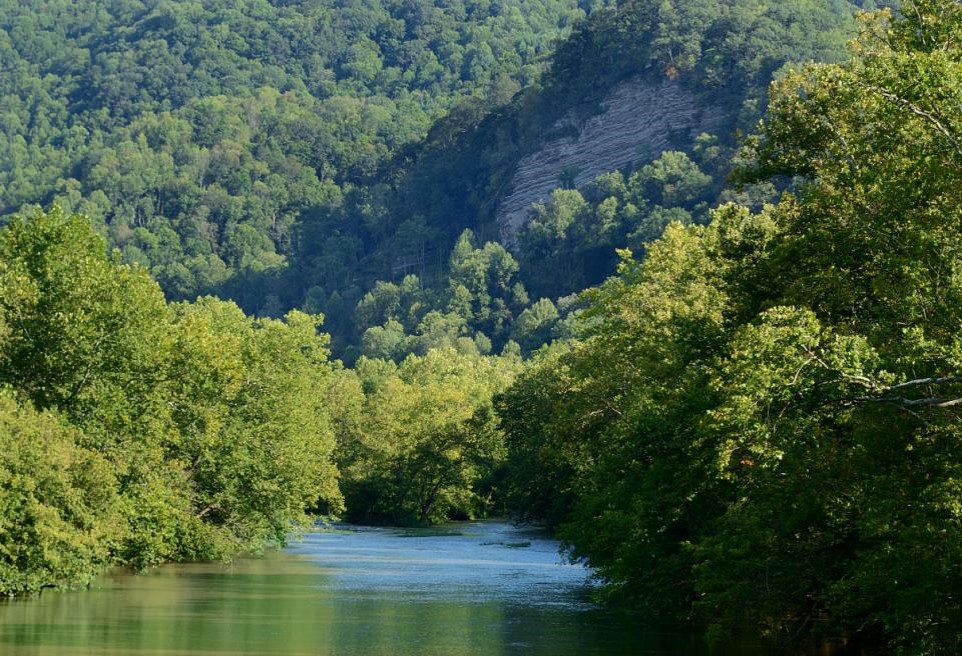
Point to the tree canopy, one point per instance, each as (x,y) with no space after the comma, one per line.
(175,432)
(293,155)
(758,424)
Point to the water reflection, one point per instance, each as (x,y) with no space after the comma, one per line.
(479,589)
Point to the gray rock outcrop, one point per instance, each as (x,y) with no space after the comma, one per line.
(639,120)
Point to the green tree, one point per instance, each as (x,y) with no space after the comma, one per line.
(209,426)
(86,335)
(758,423)
(58,510)
(427,439)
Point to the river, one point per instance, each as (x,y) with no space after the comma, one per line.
(478,588)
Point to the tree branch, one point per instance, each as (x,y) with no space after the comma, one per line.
(925,381)
(930,402)
(921,113)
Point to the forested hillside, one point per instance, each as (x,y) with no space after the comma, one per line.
(291,155)
(723,53)
(195,133)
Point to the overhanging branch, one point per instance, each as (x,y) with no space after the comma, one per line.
(925,115)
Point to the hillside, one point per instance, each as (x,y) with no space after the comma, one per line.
(638,120)
(601,106)
(292,155)
(196,133)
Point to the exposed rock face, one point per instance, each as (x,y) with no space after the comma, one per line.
(639,121)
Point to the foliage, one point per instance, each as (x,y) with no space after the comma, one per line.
(254,430)
(57,502)
(161,433)
(291,155)
(570,242)
(427,446)
(195,133)
(474,315)
(758,425)
(455,179)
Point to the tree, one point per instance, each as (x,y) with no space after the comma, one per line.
(253,429)
(759,423)
(85,333)
(205,426)
(427,439)
(534,325)
(58,510)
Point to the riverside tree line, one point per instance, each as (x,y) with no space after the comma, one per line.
(755,424)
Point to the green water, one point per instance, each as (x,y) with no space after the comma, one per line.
(481,588)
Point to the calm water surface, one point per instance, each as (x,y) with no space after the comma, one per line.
(480,588)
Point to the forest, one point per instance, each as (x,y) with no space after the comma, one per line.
(727,377)
(292,155)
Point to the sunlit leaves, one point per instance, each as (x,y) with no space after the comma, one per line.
(172,433)
(426,445)
(772,438)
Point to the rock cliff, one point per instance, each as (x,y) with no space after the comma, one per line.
(639,120)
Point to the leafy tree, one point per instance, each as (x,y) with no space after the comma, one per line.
(57,502)
(175,433)
(427,441)
(534,325)
(85,333)
(256,435)
(758,422)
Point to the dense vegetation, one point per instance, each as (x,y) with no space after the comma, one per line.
(424,445)
(754,422)
(725,51)
(759,424)
(287,155)
(139,432)
(195,133)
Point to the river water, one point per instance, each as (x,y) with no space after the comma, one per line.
(479,588)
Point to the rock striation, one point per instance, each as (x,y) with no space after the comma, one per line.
(638,121)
